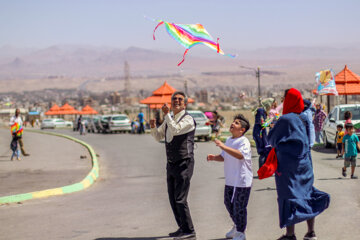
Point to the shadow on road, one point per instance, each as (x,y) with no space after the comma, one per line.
(324,150)
(265,189)
(338,178)
(134,238)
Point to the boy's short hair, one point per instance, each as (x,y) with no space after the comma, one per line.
(340,126)
(243,120)
(349,125)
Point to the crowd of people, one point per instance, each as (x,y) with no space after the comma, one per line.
(284,152)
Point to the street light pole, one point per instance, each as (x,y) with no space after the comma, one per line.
(257,73)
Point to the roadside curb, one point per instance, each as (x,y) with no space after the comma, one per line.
(85,183)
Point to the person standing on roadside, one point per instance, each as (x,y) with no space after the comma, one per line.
(17,119)
(319,119)
(178,131)
(141,121)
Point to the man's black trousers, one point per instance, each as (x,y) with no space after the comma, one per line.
(178,181)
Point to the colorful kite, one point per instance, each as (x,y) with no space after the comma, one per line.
(326,83)
(190,35)
(16,130)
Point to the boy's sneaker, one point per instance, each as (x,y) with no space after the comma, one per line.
(343,172)
(284,237)
(239,236)
(310,236)
(337,156)
(231,233)
(354,177)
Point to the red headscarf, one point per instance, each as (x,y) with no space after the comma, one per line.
(293,102)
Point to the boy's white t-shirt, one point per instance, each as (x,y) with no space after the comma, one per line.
(238,172)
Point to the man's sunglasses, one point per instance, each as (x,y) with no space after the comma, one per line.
(179,99)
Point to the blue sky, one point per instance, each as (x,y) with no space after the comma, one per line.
(239,24)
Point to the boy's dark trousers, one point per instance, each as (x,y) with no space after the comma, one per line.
(178,181)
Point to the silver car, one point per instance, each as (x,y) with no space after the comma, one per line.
(119,122)
(202,131)
(337,117)
(55,123)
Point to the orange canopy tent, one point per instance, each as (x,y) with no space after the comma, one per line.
(87,110)
(54,110)
(67,109)
(161,96)
(347,82)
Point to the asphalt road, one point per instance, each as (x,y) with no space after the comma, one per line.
(129,201)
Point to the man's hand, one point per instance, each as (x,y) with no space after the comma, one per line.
(165,108)
(211,157)
(219,143)
(152,123)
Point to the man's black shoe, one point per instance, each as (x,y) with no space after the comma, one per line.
(176,233)
(183,235)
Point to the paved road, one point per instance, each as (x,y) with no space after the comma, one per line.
(129,201)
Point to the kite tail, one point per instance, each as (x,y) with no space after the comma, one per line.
(183,57)
(218,49)
(156,28)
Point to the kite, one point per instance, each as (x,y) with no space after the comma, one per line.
(16,130)
(189,35)
(269,121)
(326,83)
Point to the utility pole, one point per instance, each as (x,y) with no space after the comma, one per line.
(259,90)
(127,79)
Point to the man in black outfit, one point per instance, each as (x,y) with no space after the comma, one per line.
(178,132)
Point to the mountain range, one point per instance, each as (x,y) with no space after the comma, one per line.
(88,62)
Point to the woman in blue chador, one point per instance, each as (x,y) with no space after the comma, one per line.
(298,199)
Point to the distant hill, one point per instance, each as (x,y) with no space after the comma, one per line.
(282,64)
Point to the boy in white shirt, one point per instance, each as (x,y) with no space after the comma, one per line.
(236,155)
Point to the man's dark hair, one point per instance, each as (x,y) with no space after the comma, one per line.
(347,115)
(349,125)
(340,126)
(182,94)
(244,122)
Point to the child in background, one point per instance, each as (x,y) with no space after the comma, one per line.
(350,141)
(339,138)
(236,155)
(14,147)
(347,117)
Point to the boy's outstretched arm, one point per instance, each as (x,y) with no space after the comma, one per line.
(217,158)
(233,152)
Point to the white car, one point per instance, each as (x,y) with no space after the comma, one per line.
(202,130)
(119,122)
(337,117)
(55,123)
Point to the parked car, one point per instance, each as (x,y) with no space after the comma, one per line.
(120,123)
(335,117)
(102,123)
(202,131)
(55,123)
